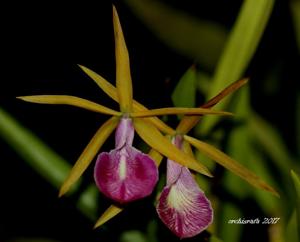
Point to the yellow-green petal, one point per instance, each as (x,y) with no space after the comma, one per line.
(161,144)
(188,122)
(154,120)
(123,76)
(109,213)
(168,111)
(89,153)
(156,156)
(70,100)
(111,91)
(230,164)
(108,88)
(186,147)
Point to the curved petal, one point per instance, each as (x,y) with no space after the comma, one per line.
(88,154)
(161,144)
(230,164)
(70,100)
(108,214)
(126,174)
(188,122)
(183,207)
(170,111)
(111,91)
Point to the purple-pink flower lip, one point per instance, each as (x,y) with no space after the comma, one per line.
(183,206)
(125,174)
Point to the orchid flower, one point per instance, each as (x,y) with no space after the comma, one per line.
(125,174)
(186,124)
(182,205)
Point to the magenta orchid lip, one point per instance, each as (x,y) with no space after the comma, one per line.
(125,174)
(183,206)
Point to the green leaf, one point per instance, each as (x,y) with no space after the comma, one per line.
(295,12)
(239,143)
(230,232)
(298,123)
(37,154)
(296,181)
(269,138)
(240,146)
(268,203)
(152,228)
(133,236)
(239,49)
(184,94)
(88,202)
(214,239)
(43,160)
(197,39)
(291,228)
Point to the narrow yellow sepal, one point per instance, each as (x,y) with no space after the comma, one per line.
(111,91)
(156,156)
(188,122)
(70,100)
(89,153)
(154,120)
(108,88)
(186,147)
(230,164)
(161,144)
(123,76)
(109,213)
(168,111)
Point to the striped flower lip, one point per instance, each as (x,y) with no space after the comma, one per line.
(125,174)
(183,206)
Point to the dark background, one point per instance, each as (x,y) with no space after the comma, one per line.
(41,45)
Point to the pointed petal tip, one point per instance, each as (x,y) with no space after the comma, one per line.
(245,80)
(114,9)
(273,191)
(202,169)
(115,15)
(23,98)
(109,213)
(84,68)
(208,173)
(31,98)
(97,225)
(230,164)
(63,190)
